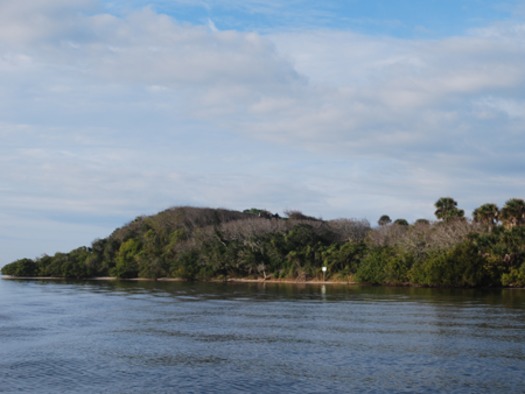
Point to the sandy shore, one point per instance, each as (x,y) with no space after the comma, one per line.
(291,281)
(229,280)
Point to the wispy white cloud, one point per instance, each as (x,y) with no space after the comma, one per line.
(26,22)
(412,91)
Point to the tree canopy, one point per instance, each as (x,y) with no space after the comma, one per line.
(204,243)
(447,209)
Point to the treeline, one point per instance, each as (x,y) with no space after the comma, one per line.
(203,243)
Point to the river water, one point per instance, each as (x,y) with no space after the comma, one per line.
(158,337)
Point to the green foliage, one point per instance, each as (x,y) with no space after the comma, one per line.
(343,259)
(513,213)
(22,267)
(371,269)
(185,265)
(486,215)
(461,266)
(447,210)
(126,260)
(385,265)
(515,277)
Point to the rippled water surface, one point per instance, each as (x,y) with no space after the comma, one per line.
(127,337)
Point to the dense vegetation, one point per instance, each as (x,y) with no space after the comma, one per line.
(203,243)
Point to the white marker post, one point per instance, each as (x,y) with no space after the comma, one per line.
(324,272)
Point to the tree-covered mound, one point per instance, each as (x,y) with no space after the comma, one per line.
(203,243)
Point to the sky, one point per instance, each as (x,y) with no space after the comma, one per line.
(339,109)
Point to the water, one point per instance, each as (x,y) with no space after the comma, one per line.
(111,337)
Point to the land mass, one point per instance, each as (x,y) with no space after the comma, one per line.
(188,243)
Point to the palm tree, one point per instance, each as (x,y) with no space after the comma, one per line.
(487,215)
(384,220)
(513,213)
(447,209)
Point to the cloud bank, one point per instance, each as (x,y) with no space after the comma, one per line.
(108,116)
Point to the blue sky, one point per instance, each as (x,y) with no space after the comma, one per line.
(354,109)
(401,18)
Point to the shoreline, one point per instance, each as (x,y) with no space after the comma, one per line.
(229,280)
(313,282)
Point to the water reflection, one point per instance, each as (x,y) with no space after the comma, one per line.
(509,298)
